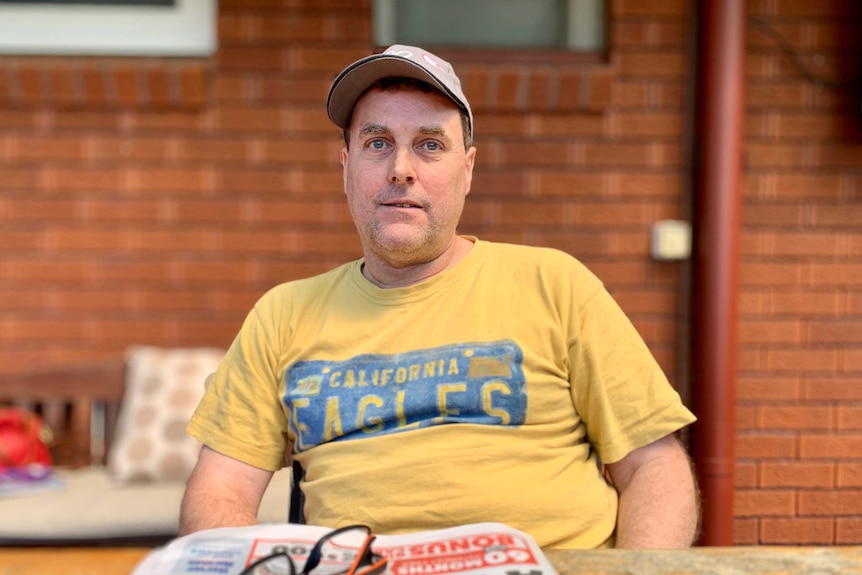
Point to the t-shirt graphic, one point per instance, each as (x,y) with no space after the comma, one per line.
(375,394)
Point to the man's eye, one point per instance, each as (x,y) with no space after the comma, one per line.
(376,144)
(431,146)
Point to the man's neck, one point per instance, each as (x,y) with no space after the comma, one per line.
(385,276)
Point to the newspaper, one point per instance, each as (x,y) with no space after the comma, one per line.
(479,548)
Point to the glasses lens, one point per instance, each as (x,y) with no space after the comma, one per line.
(276,563)
(336,550)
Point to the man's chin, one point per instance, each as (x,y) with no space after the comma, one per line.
(400,238)
(404,249)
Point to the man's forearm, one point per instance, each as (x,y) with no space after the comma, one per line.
(659,504)
(221,492)
(207,510)
(656,520)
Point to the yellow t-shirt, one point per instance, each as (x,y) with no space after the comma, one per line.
(489,392)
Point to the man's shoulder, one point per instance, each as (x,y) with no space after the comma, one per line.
(525,254)
(546,264)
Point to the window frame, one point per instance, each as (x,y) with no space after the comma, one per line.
(185,30)
(384,29)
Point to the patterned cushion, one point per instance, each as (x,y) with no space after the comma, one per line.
(163,387)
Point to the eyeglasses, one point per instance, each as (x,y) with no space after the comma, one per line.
(365,562)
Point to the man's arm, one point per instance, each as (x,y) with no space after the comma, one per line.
(222,492)
(659,503)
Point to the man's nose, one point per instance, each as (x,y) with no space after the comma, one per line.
(402,171)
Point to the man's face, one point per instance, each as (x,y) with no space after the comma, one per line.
(406,174)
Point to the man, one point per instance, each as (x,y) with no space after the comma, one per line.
(441,379)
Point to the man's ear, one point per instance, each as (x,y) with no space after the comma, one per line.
(470,161)
(344,154)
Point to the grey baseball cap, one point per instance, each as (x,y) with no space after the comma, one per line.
(397,60)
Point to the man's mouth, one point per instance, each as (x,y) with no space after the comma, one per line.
(400,205)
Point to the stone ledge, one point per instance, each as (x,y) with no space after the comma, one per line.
(711,561)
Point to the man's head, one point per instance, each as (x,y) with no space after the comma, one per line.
(407,170)
(398,63)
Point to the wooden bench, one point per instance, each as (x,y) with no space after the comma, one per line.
(81,406)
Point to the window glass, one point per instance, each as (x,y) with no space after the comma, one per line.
(108,27)
(577,25)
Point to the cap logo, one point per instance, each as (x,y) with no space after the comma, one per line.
(432,61)
(409,55)
(403,53)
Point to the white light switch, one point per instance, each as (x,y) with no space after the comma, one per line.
(671,240)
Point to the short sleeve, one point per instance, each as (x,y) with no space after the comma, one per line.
(241,414)
(620,391)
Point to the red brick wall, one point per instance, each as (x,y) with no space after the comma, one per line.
(152,201)
(799,388)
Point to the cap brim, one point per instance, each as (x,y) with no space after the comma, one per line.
(355,80)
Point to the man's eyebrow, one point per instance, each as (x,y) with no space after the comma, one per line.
(373,129)
(435,130)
